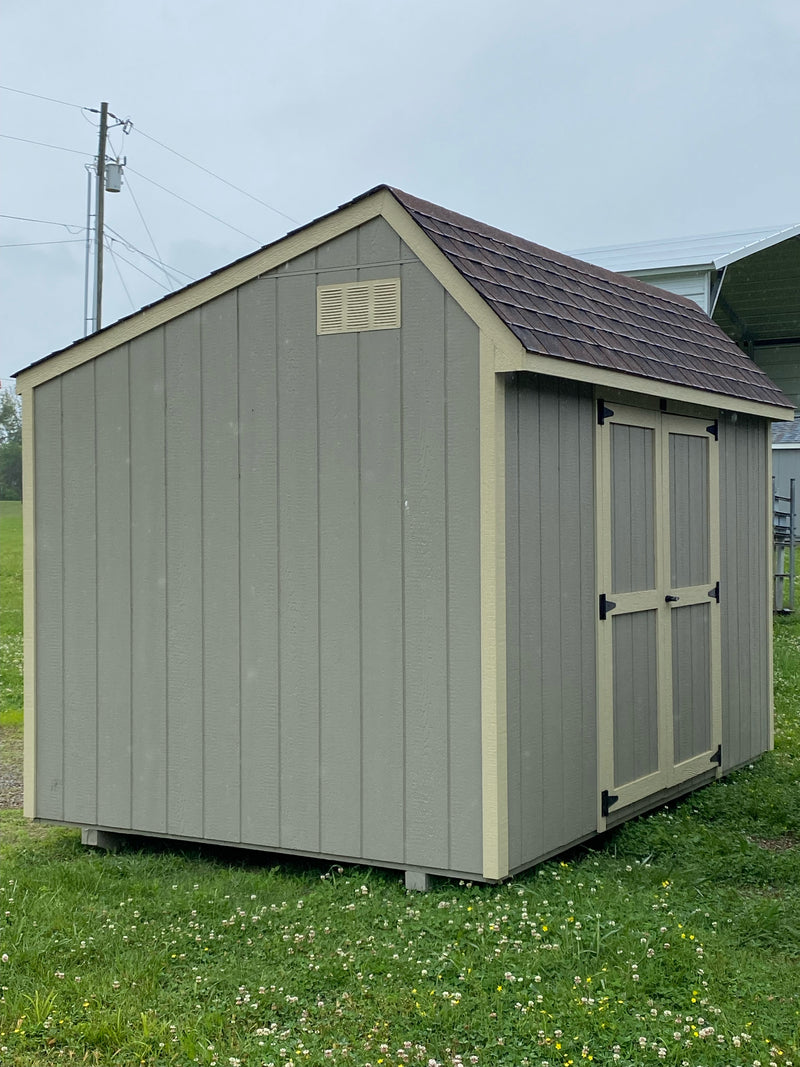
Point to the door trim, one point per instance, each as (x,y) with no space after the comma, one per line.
(668,773)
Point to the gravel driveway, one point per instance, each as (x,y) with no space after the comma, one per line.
(10,766)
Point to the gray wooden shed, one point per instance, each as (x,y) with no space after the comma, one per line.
(402,541)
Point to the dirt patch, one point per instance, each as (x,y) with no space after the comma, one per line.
(10,766)
(775,844)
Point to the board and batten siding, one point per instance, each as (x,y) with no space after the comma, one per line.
(258,574)
(745,605)
(551,610)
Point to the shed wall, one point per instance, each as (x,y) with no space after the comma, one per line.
(551,609)
(744,588)
(258,574)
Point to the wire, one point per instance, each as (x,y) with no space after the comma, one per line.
(156,262)
(70,226)
(200,209)
(83,109)
(44,144)
(225,181)
(113,255)
(30,244)
(37,96)
(144,272)
(141,216)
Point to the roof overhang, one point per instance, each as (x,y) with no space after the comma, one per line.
(753,247)
(758,298)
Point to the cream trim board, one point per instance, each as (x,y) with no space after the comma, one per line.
(631,383)
(494,730)
(605,702)
(29,605)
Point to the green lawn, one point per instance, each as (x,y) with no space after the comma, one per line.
(10,611)
(676,940)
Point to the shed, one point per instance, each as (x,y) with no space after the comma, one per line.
(402,541)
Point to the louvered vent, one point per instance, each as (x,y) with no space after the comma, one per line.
(359,306)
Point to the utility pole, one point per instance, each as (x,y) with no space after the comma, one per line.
(99,216)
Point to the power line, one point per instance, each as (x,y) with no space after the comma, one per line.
(202,210)
(38,96)
(30,244)
(156,262)
(144,223)
(225,181)
(82,108)
(144,272)
(71,226)
(44,144)
(113,255)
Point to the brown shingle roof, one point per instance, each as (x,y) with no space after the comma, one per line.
(561,307)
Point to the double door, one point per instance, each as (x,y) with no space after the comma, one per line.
(658,602)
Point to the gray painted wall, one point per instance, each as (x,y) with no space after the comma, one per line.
(551,609)
(258,574)
(696,284)
(785,466)
(551,617)
(744,584)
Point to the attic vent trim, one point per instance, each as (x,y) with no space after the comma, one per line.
(355,306)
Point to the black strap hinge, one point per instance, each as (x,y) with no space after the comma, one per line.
(606,800)
(606,606)
(714,593)
(603,413)
(713,429)
(717,757)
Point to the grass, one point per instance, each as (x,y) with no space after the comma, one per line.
(10,612)
(675,940)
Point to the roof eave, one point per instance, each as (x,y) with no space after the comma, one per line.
(554,367)
(757,246)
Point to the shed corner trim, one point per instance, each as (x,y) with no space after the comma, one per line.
(494,740)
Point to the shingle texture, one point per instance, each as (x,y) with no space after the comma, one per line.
(564,308)
(786,433)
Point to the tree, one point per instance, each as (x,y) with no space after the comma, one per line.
(10,446)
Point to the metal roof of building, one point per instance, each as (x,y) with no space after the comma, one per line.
(707,250)
(575,311)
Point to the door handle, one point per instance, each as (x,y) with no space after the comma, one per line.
(670,599)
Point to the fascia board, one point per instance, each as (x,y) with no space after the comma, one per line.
(611,379)
(647,273)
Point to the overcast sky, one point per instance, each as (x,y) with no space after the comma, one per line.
(574,124)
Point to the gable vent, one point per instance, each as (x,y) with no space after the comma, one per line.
(359,306)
